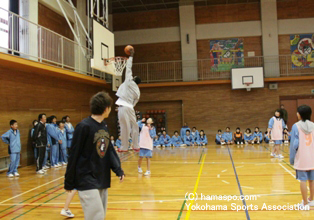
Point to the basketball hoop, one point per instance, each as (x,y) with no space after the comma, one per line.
(247,86)
(118,63)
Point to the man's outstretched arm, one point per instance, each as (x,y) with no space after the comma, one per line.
(129,63)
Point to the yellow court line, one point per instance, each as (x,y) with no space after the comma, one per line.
(195,188)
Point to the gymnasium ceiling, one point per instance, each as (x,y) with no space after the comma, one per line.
(124,6)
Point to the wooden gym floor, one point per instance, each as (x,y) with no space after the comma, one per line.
(175,172)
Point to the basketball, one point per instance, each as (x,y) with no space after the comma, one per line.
(127,49)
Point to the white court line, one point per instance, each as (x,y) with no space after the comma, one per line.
(31,190)
(248,187)
(225,182)
(223,171)
(218,175)
(260,164)
(288,171)
(239,167)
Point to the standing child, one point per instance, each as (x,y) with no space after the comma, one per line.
(63,146)
(202,139)
(302,153)
(13,139)
(257,136)
(146,146)
(238,136)
(276,125)
(248,137)
(176,140)
(286,136)
(69,130)
(53,141)
(219,138)
(35,122)
(227,136)
(164,139)
(188,140)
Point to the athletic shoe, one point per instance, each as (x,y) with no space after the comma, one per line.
(64,164)
(147,173)
(10,175)
(280,156)
(139,169)
(46,167)
(16,174)
(241,142)
(136,149)
(258,142)
(311,203)
(272,155)
(40,172)
(121,151)
(238,143)
(67,213)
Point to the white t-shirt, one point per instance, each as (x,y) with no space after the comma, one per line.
(121,102)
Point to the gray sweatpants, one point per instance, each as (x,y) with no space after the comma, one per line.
(94,203)
(128,126)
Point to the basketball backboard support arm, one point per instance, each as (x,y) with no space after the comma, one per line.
(96,4)
(77,22)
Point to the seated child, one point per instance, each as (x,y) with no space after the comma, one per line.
(188,139)
(286,136)
(195,134)
(183,130)
(248,137)
(202,139)
(238,136)
(176,140)
(267,138)
(257,136)
(227,136)
(165,139)
(156,142)
(219,138)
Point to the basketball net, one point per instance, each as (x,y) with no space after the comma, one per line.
(118,63)
(248,88)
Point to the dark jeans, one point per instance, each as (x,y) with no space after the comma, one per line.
(239,140)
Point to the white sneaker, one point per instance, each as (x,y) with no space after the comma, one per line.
(280,156)
(272,155)
(223,143)
(238,143)
(64,164)
(304,207)
(147,173)
(44,170)
(46,167)
(16,174)
(67,213)
(311,203)
(258,142)
(139,169)
(241,142)
(40,172)
(10,175)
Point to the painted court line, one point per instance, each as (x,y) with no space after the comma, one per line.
(247,187)
(31,190)
(223,171)
(187,216)
(225,182)
(239,166)
(287,170)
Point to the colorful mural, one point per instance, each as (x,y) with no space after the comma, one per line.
(226,54)
(302,50)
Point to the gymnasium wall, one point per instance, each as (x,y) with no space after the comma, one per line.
(53,21)
(213,107)
(25,95)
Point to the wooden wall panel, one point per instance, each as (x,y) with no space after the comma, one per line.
(295,9)
(153,52)
(53,21)
(249,44)
(25,95)
(213,107)
(146,20)
(227,13)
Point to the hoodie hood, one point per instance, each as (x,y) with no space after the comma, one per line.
(306,126)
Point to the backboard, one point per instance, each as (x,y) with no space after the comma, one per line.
(103,48)
(247,78)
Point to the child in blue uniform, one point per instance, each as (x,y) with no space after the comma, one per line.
(257,136)
(188,139)
(13,139)
(156,142)
(219,138)
(248,136)
(286,136)
(202,139)
(195,134)
(176,140)
(165,140)
(63,146)
(118,143)
(183,130)
(227,136)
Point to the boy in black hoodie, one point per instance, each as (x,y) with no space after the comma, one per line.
(91,158)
